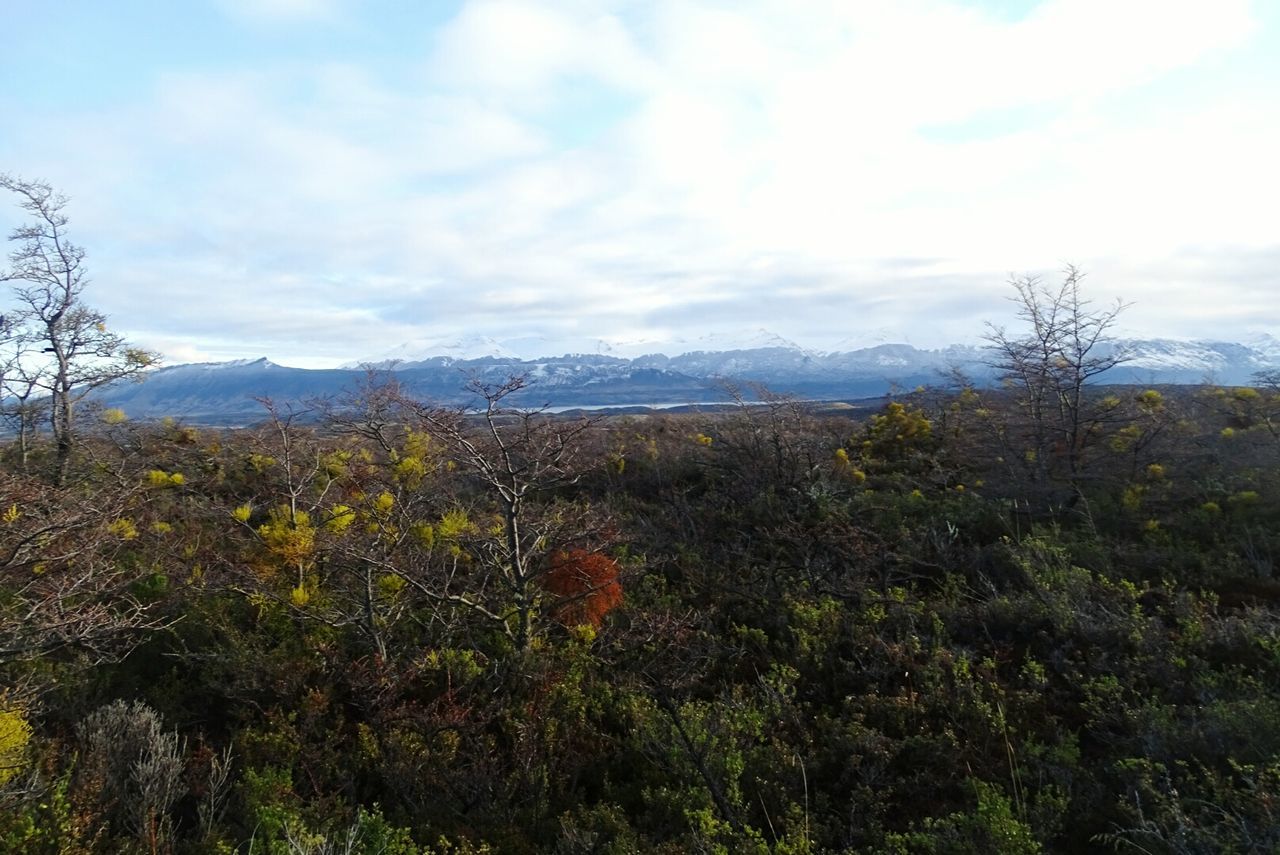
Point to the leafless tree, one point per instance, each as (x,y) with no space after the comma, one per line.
(371,411)
(1065,345)
(517,456)
(80,353)
(23,400)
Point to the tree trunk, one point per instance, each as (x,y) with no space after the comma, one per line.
(62,435)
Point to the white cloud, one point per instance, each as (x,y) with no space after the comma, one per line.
(519,51)
(756,163)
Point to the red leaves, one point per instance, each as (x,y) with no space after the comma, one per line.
(586,584)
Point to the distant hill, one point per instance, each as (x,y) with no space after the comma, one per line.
(226,393)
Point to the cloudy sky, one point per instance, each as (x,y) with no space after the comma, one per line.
(320,180)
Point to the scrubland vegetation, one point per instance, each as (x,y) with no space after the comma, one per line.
(1039,618)
(409,630)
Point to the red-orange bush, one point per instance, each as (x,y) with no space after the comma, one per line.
(587,585)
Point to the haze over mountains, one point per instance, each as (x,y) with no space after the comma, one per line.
(612,376)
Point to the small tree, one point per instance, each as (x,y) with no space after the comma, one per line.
(520,459)
(1050,365)
(24,402)
(78,353)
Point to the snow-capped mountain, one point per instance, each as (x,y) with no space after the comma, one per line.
(1265,345)
(533,347)
(1175,361)
(728,342)
(421,349)
(230,392)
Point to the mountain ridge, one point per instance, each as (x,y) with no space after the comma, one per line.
(231,392)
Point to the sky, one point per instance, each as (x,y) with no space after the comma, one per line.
(321,181)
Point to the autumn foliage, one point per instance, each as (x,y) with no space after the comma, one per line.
(586,584)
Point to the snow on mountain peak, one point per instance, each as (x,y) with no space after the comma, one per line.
(723,342)
(260,362)
(1261,350)
(1169,353)
(1265,344)
(419,349)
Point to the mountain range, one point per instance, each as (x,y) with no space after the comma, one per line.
(230,393)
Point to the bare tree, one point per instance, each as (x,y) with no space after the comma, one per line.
(23,400)
(371,411)
(1066,345)
(49,274)
(517,455)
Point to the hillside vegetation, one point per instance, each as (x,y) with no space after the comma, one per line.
(1041,618)
(961,625)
